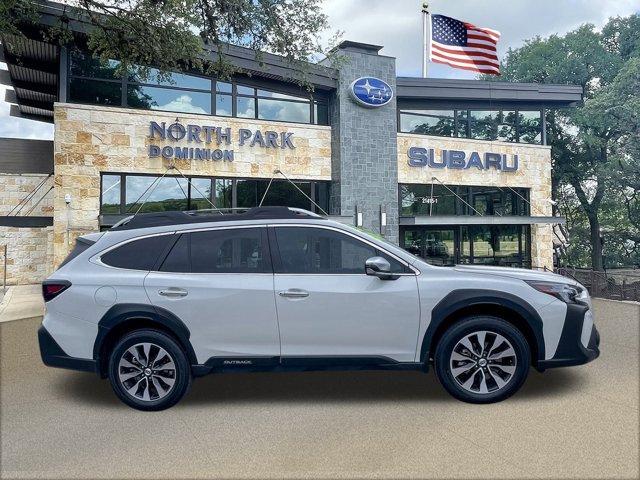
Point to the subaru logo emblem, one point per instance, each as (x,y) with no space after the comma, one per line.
(371,92)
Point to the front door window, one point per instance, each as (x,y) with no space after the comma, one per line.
(436,246)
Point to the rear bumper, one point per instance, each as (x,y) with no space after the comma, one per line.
(53,355)
(571,350)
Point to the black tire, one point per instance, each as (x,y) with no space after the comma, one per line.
(157,392)
(473,380)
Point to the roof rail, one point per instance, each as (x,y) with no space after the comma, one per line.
(159,219)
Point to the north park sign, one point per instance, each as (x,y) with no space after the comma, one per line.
(201,135)
(457,159)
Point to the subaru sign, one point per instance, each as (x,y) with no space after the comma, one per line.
(371,92)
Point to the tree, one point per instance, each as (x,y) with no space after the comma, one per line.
(592,145)
(172,35)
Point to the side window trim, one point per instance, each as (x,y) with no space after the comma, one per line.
(277,262)
(163,256)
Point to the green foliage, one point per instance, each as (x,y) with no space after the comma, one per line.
(596,146)
(172,35)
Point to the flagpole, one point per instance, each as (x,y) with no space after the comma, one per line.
(426,37)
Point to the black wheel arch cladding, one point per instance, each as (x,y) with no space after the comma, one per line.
(464,300)
(120,315)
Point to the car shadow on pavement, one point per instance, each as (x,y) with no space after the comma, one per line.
(341,387)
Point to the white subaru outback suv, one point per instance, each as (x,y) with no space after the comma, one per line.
(162,298)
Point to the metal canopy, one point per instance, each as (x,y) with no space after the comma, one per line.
(480,220)
(469,92)
(33,73)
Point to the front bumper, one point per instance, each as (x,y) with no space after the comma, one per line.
(53,355)
(571,350)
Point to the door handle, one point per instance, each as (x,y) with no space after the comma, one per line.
(294,293)
(173,292)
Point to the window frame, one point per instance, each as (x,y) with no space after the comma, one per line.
(276,261)
(125,82)
(212,194)
(464,127)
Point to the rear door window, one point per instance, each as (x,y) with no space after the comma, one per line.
(178,259)
(234,250)
(141,254)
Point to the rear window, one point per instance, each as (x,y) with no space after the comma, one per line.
(139,254)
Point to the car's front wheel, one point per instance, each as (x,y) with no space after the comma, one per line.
(148,370)
(482,359)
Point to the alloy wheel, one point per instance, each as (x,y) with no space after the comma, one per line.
(147,371)
(483,362)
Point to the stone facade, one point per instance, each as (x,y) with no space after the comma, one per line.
(363,142)
(89,140)
(29,250)
(15,188)
(534,173)
(29,254)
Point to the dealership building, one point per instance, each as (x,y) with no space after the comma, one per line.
(455,171)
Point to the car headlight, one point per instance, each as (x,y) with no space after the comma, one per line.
(562,291)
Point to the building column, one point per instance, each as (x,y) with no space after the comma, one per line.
(364,143)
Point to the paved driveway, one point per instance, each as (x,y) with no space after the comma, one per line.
(580,422)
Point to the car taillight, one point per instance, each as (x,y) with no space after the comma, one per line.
(52,288)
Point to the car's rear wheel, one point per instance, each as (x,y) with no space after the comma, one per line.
(482,359)
(148,370)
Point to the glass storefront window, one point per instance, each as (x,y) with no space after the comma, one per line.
(503,125)
(283,111)
(95,92)
(458,199)
(428,122)
(180,80)
(245,107)
(200,197)
(84,64)
(224,87)
(223,105)
(418,200)
(92,81)
(321,113)
(242,90)
(506,121)
(166,194)
(462,123)
(157,98)
(110,200)
(223,193)
(283,193)
(530,127)
(504,245)
(173,193)
(436,246)
(483,125)
(247,193)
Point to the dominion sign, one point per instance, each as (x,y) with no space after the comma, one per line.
(200,136)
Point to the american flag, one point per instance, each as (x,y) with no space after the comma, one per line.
(463,45)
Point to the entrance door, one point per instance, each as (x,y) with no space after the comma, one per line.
(328,307)
(438,246)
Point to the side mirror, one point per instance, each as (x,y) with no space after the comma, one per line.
(379,267)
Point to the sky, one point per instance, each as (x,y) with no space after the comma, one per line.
(397,25)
